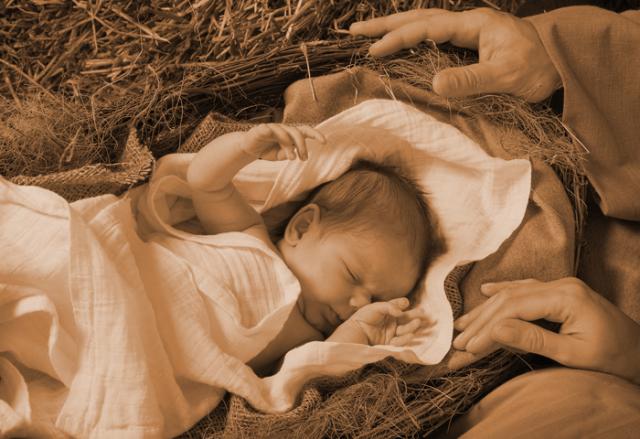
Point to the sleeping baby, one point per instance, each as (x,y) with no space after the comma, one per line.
(136,326)
(358,246)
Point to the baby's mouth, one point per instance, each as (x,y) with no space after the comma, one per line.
(332,317)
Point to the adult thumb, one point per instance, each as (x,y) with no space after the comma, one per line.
(473,79)
(527,337)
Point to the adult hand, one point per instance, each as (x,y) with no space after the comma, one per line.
(512,57)
(594,334)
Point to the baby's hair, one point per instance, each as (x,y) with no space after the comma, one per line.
(373,197)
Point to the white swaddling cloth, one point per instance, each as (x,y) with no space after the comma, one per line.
(479,200)
(142,338)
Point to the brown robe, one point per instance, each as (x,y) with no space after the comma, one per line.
(597,54)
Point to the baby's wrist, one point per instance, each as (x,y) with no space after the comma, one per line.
(248,143)
(349,332)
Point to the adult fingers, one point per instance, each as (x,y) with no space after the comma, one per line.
(381,25)
(460,359)
(489,289)
(473,79)
(524,302)
(527,337)
(461,29)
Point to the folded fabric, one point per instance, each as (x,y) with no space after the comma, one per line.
(110,327)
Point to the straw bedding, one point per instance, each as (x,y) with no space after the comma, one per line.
(82,81)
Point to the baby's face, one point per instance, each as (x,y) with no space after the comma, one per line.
(341,272)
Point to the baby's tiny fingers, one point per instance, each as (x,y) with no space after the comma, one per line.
(394,310)
(409,328)
(401,340)
(298,139)
(419,313)
(400,302)
(284,140)
(313,133)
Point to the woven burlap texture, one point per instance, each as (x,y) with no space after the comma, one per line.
(134,166)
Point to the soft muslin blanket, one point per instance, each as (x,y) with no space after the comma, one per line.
(117,322)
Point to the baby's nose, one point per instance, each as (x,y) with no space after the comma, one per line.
(359,299)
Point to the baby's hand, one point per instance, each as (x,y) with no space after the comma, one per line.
(274,141)
(382,323)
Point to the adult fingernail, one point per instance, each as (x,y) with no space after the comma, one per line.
(457,342)
(377,49)
(441,84)
(469,346)
(459,324)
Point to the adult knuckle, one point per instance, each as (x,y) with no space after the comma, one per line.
(484,12)
(488,15)
(575,288)
(534,340)
(496,299)
(506,295)
(423,13)
(472,78)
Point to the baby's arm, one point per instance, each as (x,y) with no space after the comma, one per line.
(295,332)
(382,323)
(373,324)
(220,208)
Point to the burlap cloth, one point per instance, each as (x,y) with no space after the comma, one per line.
(90,180)
(542,248)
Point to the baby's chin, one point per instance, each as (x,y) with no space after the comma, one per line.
(314,317)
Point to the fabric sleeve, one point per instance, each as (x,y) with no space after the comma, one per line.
(597,53)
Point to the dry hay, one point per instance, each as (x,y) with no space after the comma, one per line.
(383,400)
(171,62)
(74,75)
(42,134)
(161,66)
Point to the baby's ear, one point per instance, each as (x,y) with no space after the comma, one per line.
(305,219)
